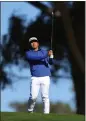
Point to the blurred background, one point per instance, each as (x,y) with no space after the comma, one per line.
(22,20)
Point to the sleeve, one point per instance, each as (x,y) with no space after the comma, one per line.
(50,60)
(36,55)
(53,61)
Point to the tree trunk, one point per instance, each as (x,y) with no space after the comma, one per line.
(76,58)
(79,86)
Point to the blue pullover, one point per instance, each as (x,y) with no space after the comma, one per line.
(39,62)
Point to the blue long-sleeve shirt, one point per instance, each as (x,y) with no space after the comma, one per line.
(39,62)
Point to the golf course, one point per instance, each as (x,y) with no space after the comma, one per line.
(24,116)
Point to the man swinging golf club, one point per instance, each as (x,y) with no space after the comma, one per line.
(39,61)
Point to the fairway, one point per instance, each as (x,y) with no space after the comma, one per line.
(22,116)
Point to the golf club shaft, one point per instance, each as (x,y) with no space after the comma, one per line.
(52,30)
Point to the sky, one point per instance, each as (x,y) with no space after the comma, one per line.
(61,91)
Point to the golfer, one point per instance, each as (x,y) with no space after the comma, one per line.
(39,61)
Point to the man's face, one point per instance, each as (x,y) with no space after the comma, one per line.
(34,44)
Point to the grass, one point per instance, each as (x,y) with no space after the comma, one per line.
(24,116)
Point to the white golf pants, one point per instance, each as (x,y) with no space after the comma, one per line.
(36,84)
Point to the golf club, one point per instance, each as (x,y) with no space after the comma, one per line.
(52,29)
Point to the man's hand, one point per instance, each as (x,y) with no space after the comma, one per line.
(50,53)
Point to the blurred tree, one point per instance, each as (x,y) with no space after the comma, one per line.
(17,44)
(59,108)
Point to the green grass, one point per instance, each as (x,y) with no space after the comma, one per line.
(22,116)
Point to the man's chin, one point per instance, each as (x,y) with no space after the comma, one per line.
(34,48)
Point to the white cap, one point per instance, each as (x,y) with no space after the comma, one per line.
(33,38)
